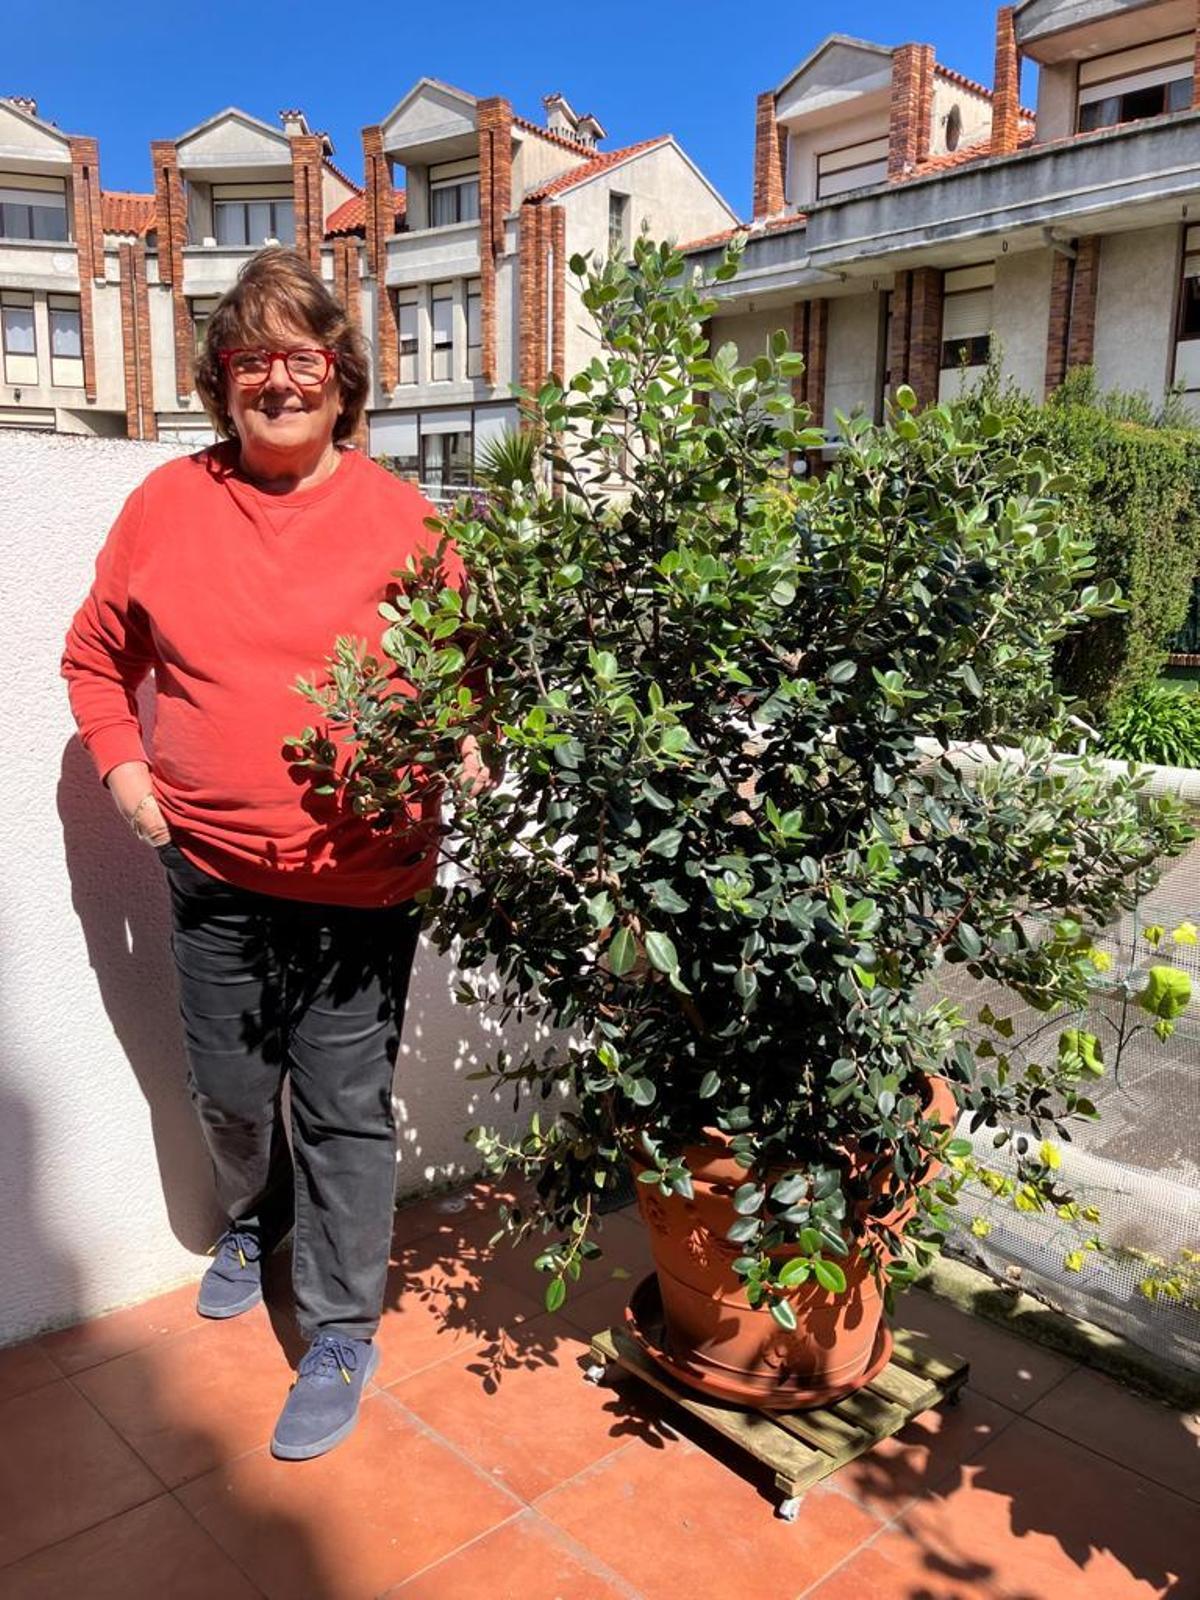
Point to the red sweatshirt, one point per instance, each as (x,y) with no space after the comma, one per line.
(227,594)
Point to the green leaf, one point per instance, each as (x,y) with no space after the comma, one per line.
(661,952)
(784,1315)
(1167,993)
(709,1084)
(829,1275)
(793,1272)
(556,1293)
(842,671)
(622,953)
(748,1199)
(666,843)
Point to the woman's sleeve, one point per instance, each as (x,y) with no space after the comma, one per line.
(109,651)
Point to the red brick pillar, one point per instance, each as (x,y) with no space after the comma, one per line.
(1006,85)
(770,145)
(536,228)
(308,201)
(1082,342)
(911,107)
(380,220)
(899,329)
(925,334)
(140,420)
(1058,334)
(171,223)
(494,122)
(89,241)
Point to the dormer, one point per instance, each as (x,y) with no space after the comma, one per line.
(434,135)
(854,114)
(1104,63)
(237,178)
(35,177)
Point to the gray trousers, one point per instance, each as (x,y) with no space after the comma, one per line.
(269,986)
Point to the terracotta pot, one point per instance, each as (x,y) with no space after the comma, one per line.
(714,1340)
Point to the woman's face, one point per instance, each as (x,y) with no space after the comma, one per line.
(282,418)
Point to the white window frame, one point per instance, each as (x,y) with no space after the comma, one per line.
(407,344)
(851,166)
(279,200)
(1187,345)
(66,371)
(1159,63)
(20,365)
(441,341)
(474,310)
(43,194)
(458,181)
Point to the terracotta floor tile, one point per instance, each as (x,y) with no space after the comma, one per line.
(23,1367)
(681,1523)
(434,1309)
(62,1468)
(155,1552)
(1043,1518)
(894,1569)
(1003,1367)
(87,1344)
(199,1398)
(1149,1438)
(527,1417)
(386,1503)
(526,1559)
(923,1455)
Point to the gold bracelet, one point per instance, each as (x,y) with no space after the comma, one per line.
(132,817)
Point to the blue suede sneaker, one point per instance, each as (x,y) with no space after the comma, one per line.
(234,1281)
(322,1404)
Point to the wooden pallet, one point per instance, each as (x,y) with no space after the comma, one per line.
(802,1447)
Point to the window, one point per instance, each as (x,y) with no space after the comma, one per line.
(406,330)
(18,338)
(443,332)
(1147,81)
(453,193)
(474,330)
(966,323)
(851,166)
(618,224)
(245,217)
(202,310)
(66,341)
(1187,346)
(446,460)
(32,213)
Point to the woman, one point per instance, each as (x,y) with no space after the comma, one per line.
(227,574)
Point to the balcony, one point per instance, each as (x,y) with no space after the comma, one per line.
(40,264)
(1131,176)
(211,269)
(428,254)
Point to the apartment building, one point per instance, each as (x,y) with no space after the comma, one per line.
(907,222)
(60,307)
(470,295)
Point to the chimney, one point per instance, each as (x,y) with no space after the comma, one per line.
(294,123)
(1006,85)
(582,130)
(769,160)
(23,102)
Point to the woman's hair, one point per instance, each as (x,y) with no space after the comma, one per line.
(277,285)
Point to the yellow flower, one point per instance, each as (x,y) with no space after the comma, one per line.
(1100,959)
(1185,933)
(981,1227)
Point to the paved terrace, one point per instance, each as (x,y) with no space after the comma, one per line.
(135,1462)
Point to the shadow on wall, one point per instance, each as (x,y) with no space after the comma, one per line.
(124,914)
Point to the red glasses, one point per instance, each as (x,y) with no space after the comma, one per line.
(251,368)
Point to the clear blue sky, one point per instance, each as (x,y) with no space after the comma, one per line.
(129,71)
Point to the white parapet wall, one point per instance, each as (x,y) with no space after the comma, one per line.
(105,1187)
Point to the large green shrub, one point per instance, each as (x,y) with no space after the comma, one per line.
(1136,497)
(719,867)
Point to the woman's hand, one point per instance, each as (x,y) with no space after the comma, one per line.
(477,777)
(130,786)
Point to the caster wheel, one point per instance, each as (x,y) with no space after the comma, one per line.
(596,1373)
(788,1510)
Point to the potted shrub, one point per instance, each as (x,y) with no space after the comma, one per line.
(719,867)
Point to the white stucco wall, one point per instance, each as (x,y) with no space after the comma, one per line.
(1135,310)
(1056,100)
(975,110)
(806,143)
(105,1186)
(1021,317)
(665,192)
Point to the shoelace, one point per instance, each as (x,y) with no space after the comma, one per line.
(235,1241)
(329,1355)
